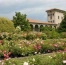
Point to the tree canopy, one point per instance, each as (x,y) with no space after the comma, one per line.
(62,27)
(21,20)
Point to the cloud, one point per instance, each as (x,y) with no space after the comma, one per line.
(33,8)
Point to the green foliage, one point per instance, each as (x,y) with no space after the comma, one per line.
(47,59)
(14,49)
(27,50)
(54,59)
(47,48)
(62,27)
(43,36)
(10,36)
(18,29)
(63,35)
(46,29)
(31,36)
(6,25)
(50,32)
(20,20)
(11,62)
(33,43)
(53,34)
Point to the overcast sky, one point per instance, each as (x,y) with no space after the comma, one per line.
(35,9)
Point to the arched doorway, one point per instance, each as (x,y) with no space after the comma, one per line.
(41,27)
(31,27)
(36,28)
(55,27)
(50,26)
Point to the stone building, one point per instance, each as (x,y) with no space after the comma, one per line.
(54,17)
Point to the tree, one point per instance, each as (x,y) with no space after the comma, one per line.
(20,20)
(6,25)
(62,27)
(46,29)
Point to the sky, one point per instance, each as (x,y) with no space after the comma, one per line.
(34,9)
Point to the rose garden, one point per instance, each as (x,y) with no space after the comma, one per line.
(21,46)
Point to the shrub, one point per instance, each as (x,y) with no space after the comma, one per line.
(6,25)
(37,47)
(63,35)
(14,49)
(12,36)
(43,36)
(53,35)
(3,35)
(31,36)
(9,36)
(26,51)
(47,48)
(38,34)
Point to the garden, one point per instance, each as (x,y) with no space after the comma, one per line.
(21,46)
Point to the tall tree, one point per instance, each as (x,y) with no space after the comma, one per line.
(62,27)
(20,20)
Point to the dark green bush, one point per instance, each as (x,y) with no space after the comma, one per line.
(6,25)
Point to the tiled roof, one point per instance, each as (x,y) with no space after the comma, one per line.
(39,22)
(59,10)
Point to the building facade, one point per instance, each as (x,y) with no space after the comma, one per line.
(55,15)
(54,18)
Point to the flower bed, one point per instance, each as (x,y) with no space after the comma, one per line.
(20,48)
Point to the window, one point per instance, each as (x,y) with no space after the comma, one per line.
(53,14)
(48,14)
(58,17)
(53,21)
(48,21)
(50,17)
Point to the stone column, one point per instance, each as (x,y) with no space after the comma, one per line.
(38,27)
(43,25)
(33,27)
(53,26)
